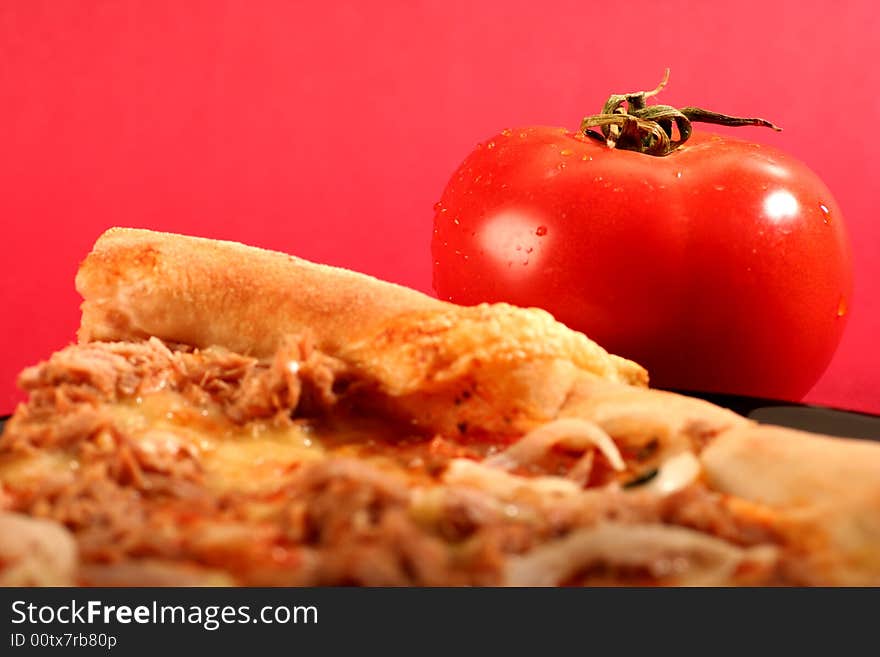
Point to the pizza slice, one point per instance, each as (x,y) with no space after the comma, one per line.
(236,416)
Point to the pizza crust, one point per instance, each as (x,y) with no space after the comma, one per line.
(201,292)
(35,552)
(445,367)
(827,488)
(227,345)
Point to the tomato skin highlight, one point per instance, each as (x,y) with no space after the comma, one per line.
(722,267)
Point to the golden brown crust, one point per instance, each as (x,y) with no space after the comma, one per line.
(201,292)
(828,488)
(422,352)
(784,467)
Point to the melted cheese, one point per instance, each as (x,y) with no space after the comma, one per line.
(34,470)
(249,458)
(252,464)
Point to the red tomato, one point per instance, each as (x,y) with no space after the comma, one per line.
(723,266)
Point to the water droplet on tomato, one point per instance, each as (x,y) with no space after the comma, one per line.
(490,145)
(506,132)
(565,152)
(542,230)
(678,174)
(438,205)
(560,166)
(597,179)
(522,135)
(841,306)
(477,179)
(719,188)
(455,221)
(587,157)
(826,213)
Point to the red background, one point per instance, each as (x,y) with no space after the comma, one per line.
(329,129)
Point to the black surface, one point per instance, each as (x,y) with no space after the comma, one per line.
(817,419)
(455,621)
(796,416)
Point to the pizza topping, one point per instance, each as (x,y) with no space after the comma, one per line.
(355,520)
(260,458)
(675,473)
(574,433)
(333,519)
(685,556)
(642,479)
(158,457)
(331,499)
(153,572)
(106,517)
(504,485)
(298,379)
(35,552)
(455,513)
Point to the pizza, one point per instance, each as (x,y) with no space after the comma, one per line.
(236,416)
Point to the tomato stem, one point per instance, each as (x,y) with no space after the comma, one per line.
(628,122)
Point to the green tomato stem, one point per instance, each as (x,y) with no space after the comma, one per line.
(628,122)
